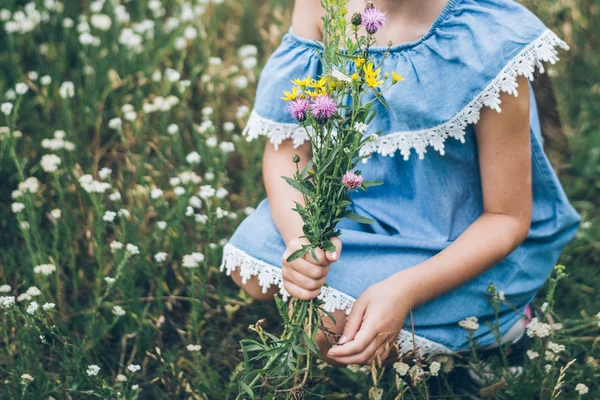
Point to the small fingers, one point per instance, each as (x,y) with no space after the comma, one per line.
(309,270)
(298,292)
(302,280)
(362,357)
(333,256)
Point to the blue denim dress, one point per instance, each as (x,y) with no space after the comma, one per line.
(426,156)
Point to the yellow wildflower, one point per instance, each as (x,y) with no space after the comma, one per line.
(396,77)
(372,77)
(320,84)
(290,95)
(359,61)
(355,76)
(302,82)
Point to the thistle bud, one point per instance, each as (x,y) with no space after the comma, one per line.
(356,19)
(296,158)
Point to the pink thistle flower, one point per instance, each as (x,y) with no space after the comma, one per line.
(298,108)
(351,180)
(373,19)
(323,108)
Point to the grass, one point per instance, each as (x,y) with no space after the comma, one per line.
(179,86)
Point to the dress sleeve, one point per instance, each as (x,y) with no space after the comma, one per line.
(295,57)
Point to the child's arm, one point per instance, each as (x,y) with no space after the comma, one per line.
(505,161)
(302,278)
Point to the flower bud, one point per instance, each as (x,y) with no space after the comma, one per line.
(296,158)
(356,19)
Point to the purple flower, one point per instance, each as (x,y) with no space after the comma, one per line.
(298,108)
(351,180)
(373,19)
(323,108)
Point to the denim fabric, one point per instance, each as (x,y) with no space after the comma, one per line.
(425,204)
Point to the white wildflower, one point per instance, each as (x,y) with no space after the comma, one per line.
(555,347)
(118,311)
(23,297)
(44,269)
(5,288)
(15,194)
(114,245)
(172,129)
(206,192)
(104,173)
(26,379)
(160,257)
(56,213)
(101,22)
(133,368)
(114,196)
(193,158)
(401,368)
(66,90)
(538,328)
(115,123)
(162,225)
(45,80)
(469,324)
(121,378)
(33,291)
(227,147)
(179,191)
(48,306)
(194,347)
(221,193)
(17,207)
(24,225)
(92,370)
(548,368)
(201,218)
(30,185)
(581,389)
(109,280)
(195,202)
(228,126)
(7,301)
(532,354)
(6,108)
(32,308)
(192,260)
(109,216)
(156,194)
(50,162)
(132,249)
(124,213)
(21,88)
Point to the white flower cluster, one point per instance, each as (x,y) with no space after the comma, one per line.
(31,292)
(118,311)
(160,103)
(90,185)
(7,301)
(26,20)
(92,370)
(469,324)
(538,328)
(31,185)
(160,257)
(58,142)
(50,162)
(194,347)
(44,269)
(192,260)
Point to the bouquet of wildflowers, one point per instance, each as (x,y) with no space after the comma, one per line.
(334,110)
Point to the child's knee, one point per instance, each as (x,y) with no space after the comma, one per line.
(253,288)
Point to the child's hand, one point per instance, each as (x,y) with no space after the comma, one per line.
(303,277)
(374,323)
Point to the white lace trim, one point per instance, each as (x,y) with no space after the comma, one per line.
(333,299)
(540,50)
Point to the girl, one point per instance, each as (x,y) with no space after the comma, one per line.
(469,198)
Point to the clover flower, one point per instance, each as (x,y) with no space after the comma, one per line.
(298,108)
(373,19)
(352,180)
(323,108)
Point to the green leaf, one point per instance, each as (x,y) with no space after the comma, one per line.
(371,183)
(298,186)
(298,253)
(328,162)
(357,218)
(244,388)
(306,168)
(377,94)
